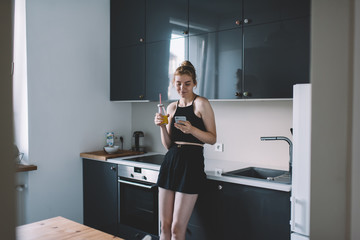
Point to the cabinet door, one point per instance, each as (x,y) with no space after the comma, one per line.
(253,213)
(100,195)
(127,22)
(127,49)
(265,11)
(127,73)
(166,19)
(276,56)
(213,15)
(233,221)
(162,59)
(202,224)
(217,58)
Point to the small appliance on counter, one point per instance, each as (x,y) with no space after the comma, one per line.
(138,142)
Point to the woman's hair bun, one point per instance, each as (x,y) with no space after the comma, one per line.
(187,64)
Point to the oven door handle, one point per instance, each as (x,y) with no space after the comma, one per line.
(136,184)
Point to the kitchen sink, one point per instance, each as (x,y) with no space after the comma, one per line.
(264,174)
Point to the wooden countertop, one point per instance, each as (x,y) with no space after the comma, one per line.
(102,155)
(60,228)
(25,168)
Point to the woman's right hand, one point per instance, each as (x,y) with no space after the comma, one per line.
(158,119)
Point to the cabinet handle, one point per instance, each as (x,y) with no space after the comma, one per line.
(185,32)
(238,22)
(238,94)
(246,20)
(141,96)
(246,94)
(220,187)
(113,168)
(141,39)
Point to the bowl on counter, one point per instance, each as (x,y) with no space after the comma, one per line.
(112,149)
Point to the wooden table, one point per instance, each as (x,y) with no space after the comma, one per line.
(59,228)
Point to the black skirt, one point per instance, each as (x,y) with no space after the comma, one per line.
(183,169)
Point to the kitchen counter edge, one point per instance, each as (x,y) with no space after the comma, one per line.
(210,172)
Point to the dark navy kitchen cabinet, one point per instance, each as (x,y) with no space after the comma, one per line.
(127,21)
(100,195)
(127,72)
(276,56)
(166,31)
(206,16)
(261,52)
(265,11)
(157,70)
(140,58)
(218,60)
(127,50)
(166,19)
(203,224)
(240,49)
(235,211)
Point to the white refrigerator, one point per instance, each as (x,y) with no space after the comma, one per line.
(300,193)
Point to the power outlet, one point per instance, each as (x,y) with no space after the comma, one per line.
(219,147)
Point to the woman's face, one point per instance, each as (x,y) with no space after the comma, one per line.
(184,85)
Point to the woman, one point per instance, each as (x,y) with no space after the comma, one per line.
(182,173)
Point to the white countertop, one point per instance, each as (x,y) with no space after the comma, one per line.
(210,167)
(226,166)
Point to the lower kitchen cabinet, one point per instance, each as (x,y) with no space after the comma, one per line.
(100,195)
(234,211)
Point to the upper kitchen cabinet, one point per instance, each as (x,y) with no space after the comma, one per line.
(127,50)
(127,73)
(166,45)
(240,48)
(213,15)
(127,22)
(166,19)
(265,11)
(148,41)
(276,56)
(162,59)
(218,60)
(262,58)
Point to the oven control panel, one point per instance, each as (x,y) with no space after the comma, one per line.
(137,173)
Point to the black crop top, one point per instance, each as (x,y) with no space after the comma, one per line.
(188,112)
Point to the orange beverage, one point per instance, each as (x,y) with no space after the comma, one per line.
(161,110)
(165,120)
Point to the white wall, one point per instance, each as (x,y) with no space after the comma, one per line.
(332,77)
(7,199)
(355,167)
(239,127)
(69,107)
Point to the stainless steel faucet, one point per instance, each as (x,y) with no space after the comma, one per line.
(285,139)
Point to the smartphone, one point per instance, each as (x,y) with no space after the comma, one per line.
(180,118)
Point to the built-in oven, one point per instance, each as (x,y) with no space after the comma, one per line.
(138,202)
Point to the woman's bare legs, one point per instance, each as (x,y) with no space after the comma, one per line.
(175,210)
(183,207)
(166,209)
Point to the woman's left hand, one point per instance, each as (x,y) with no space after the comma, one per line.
(184,126)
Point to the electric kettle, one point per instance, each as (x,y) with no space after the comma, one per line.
(138,141)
